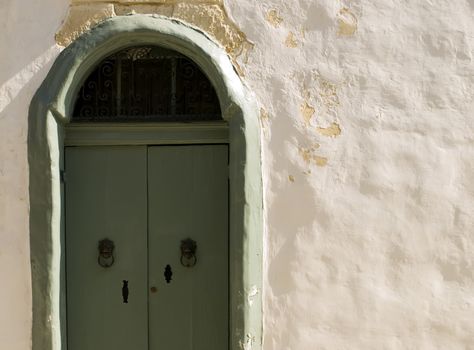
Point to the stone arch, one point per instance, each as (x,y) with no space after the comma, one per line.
(50,110)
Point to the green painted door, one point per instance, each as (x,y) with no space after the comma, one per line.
(147,199)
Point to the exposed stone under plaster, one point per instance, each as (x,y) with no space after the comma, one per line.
(208,16)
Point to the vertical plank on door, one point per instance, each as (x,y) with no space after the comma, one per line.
(188,198)
(106,198)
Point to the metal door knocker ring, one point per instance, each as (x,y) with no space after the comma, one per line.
(188,252)
(106,253)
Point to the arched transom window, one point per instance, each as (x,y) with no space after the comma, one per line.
(146,83)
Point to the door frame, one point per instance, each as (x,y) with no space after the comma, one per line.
(50,113)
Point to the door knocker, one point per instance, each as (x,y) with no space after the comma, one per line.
(188,252)
(106,253)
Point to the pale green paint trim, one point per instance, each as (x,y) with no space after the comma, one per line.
(50,111)
(80,134)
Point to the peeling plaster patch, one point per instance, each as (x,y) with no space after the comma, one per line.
(264,116)
(252,294)
(214,20)
(210,16)
(80,19)
(320,161)
(247,344)
(264,119)
(331,131)
(273,18)
(291,40)
(328,94)
(347,22)
(309,156)
(243,54)
(322,93)
(307,111)
(305,154)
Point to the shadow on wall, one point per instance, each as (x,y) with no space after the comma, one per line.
(27,45)
(22,81)
(27,50)
(27,31)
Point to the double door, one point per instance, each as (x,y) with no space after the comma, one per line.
(143,289)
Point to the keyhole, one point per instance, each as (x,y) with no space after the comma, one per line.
(125,292)
(168,274)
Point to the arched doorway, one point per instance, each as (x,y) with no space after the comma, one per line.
(146,218)
(50,113)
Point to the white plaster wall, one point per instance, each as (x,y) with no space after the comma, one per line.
(27,49)
(374,250)
(368,167)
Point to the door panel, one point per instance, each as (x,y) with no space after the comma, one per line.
(147,200)
(188,199)
(106,198)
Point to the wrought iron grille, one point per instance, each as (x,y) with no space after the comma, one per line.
(146,83)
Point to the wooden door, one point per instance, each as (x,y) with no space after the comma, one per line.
(146,200)
(106,197)
(188,199)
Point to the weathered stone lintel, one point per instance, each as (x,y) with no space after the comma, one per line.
(208,16)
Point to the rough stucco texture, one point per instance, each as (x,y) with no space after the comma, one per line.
(369,193)
(366,114)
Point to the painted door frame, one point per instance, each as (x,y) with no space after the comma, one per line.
(49,113)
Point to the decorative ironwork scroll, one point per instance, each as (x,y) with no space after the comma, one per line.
(146,83)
